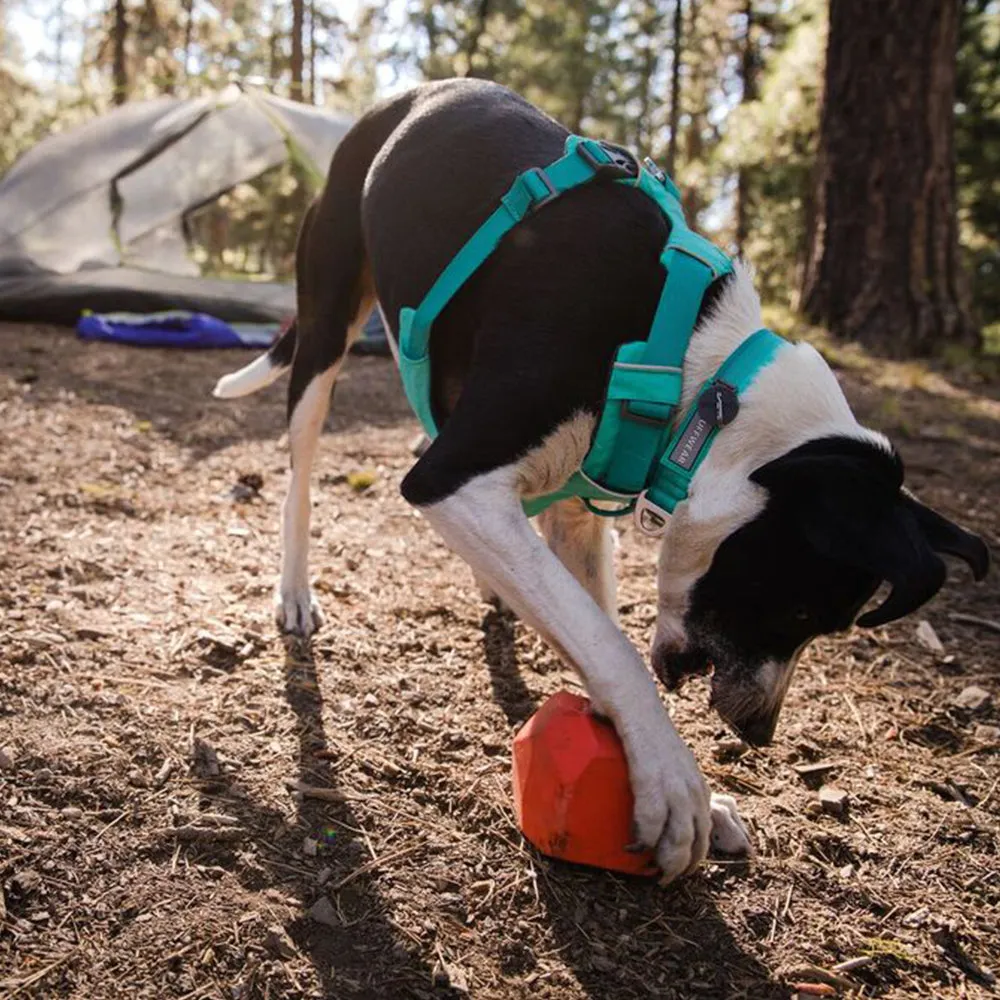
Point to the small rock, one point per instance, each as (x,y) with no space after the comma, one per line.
(322,912)
(813,774)
(726,750)
(917,918)
(6,760)
(369,700)
(277,942)
(26,880)
(324,875)
(928,638)
(989,734)
(71,812)
(833,801)
(247,487)
(973,698)
(310,847)
(813,809)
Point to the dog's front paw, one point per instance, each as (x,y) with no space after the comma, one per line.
(673,815)
(729,835)
(297,612)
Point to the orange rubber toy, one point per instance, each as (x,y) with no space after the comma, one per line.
(572,796)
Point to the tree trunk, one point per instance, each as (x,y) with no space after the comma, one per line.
(471,47)
(188,36)
(312,52)
(119,73)
(750,93)
(298,11)
(675,85)
(273,56)
(883,266)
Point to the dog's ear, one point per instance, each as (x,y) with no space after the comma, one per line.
(948,538)
(846,497)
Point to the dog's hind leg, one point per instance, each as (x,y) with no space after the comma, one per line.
(335,298)
(313,378)
(584,544)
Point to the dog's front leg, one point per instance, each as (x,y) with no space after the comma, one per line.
(484,523)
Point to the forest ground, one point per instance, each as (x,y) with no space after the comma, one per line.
(156,732)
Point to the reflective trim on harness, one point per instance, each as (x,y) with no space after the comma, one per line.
(641,457)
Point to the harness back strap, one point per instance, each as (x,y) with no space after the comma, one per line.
(585,159)
(634,461)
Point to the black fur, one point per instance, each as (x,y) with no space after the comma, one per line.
(531,336)
(834,527)
(528,342)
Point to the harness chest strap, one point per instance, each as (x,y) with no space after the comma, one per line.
(634,462)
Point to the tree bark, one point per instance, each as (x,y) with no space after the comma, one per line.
(750,93)
(312,52)
(188,36)
(883,266)
(298,24)
(471,47)
(675,85)
(119,73)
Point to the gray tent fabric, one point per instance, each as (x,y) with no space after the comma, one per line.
(98,212)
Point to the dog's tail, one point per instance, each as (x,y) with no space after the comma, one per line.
(262,371)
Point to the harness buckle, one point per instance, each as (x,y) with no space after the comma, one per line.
(627,413)
(540,188)
(621,164)
(650,518)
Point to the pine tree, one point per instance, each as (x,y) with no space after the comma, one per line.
(884,265)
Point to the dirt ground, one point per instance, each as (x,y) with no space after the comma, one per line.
(157,734)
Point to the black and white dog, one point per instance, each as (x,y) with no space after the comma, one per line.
(793,521)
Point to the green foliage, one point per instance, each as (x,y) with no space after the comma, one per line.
(977,147)
(748,103)
(774,139)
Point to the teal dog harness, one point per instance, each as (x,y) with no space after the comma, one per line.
(643,454)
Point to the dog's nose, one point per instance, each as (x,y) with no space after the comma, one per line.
(757,730)
(673,665)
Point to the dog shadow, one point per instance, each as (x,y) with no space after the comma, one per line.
(500,651)
(603,930)
(343,927)
(362,954)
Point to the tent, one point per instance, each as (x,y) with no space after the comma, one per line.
(93,218)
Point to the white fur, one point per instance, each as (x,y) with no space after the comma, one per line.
(259,373)
(729,835)
(484,523)
(793,400)
(296,610)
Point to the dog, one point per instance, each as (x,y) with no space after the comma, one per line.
(794,520)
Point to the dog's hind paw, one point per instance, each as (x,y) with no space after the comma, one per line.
(297,612)
(729,835)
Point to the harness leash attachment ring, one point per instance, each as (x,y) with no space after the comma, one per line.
(619,164)
(650,518)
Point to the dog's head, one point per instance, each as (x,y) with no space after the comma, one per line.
(766,556)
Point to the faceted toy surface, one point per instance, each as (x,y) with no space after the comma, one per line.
(572,796)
